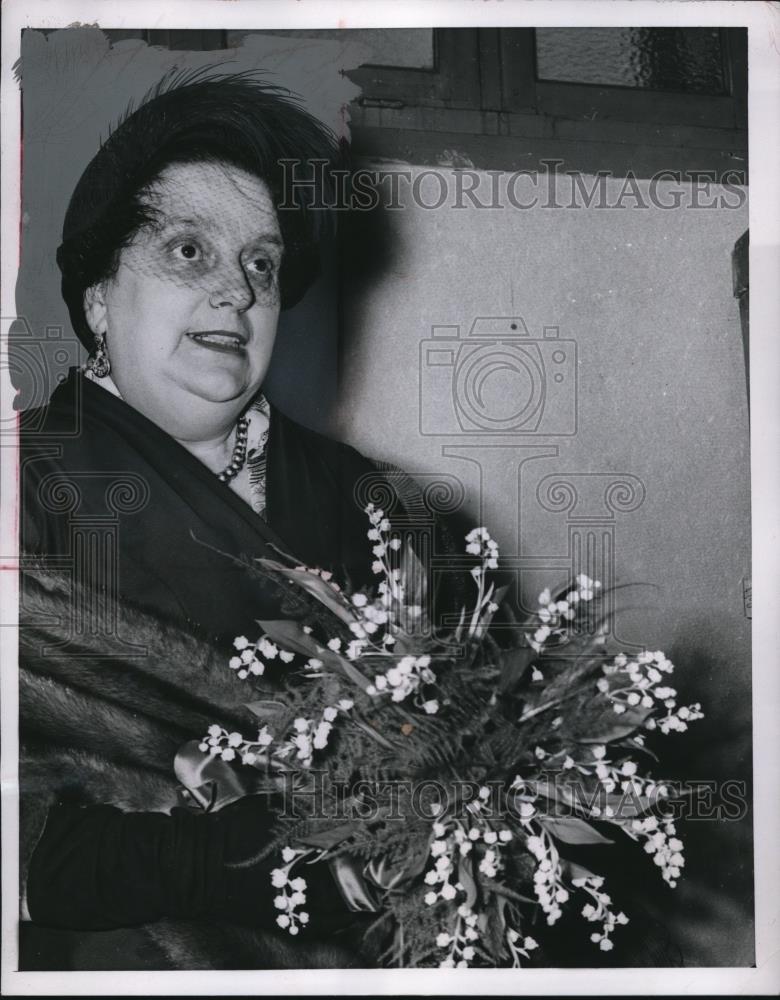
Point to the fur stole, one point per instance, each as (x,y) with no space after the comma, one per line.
(103,725)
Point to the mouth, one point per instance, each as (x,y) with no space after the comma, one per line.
(223,341)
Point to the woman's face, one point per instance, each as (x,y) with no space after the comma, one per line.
(190,315)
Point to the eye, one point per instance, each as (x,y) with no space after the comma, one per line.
(187,251)
(260,265)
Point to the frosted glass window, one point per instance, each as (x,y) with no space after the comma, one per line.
(686,60)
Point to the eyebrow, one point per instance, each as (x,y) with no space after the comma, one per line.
(171,222)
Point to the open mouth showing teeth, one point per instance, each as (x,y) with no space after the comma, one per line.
(219,340)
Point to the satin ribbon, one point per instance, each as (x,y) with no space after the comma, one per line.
(211,784)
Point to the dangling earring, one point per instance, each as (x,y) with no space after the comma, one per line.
(98,362)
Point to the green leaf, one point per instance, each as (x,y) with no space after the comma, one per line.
(503,890)
(315,586)
(571,830)
(271,713)
(574,870)
(514,664)
(329,837)
(616,727)
(465,876)
(290,636)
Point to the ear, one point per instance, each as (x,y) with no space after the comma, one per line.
(95,309)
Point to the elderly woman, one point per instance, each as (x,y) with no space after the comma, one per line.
(176,260)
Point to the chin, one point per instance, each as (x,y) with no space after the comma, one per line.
(221,387)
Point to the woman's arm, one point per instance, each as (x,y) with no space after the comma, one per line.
(98,868)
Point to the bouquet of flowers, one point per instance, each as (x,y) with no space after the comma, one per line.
(457,774)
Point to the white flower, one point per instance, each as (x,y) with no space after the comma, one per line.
(283,920)
(431,898)
(448,891)
(443,939)
(529,944)
(345,704)
(228,754)
(280,902)
(321,734)
(431,707)
(285,656)
(334,644)
(490,836)
(301,725)
(298,884)
(241,642)
(235,662)
(438,847)
(215,730)
(468,953)
(288,854)
(278,878)
(330,714)
(268,649)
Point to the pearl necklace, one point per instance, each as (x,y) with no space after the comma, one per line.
(238,458)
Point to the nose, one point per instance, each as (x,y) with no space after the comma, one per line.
(231,288)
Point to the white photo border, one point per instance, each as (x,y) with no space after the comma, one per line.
(763,23)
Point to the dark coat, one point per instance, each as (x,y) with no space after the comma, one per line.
(109,495)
